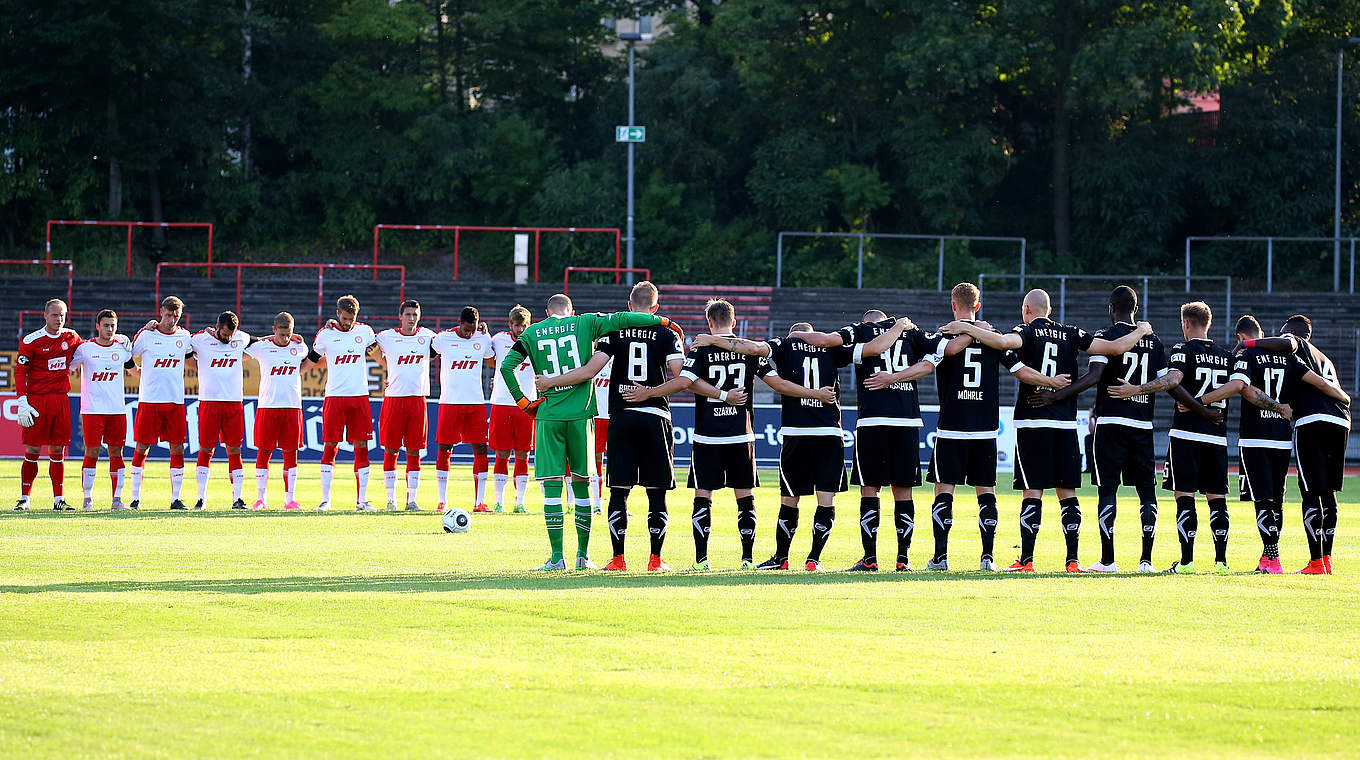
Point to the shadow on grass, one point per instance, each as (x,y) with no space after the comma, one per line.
(533,581)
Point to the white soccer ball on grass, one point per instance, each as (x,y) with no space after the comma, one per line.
(457,521)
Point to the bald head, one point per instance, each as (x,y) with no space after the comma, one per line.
(559,305)
(1036,305)
(874,315)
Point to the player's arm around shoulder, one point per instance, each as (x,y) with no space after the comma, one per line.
(1011,341)
(737,345)
(1106,347)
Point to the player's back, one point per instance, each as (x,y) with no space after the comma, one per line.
(1205,366)
(1309,402)
(1052,349)
(897,403)
(556,346)
(967,384)
(717,421)
(1144,362)
(641,356)
(1278,376)
(810,366)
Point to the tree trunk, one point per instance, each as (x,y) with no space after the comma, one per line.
(458,80)
(153,184)
(115,207)
(440,51)
(246,52)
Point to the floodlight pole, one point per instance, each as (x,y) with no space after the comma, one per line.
(630,38)
(1336,196)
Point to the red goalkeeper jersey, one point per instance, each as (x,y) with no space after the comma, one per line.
(44,362)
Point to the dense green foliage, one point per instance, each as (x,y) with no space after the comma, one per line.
(298,124)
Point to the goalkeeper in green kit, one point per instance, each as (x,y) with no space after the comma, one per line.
(563,433)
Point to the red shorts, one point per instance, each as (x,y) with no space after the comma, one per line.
(53,425)
(403,422)
(601,434)
(278,429)
(107,429)
(511,429)
(346,419)
(461,423)
(220,422)
(160,422)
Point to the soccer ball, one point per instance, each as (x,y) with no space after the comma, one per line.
(457,521)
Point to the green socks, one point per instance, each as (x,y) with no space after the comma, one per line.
(580,491)
(552,515)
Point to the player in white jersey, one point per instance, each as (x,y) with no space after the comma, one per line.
(403,421)
(103,411)
(346,415)
(162,348)
(601,384)
(511,428)
(219,351)
(278,413)
(462,400)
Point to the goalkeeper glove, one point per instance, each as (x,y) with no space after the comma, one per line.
(529,407)
(27,414)
(675,327)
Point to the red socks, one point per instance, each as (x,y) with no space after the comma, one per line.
(412,462)
(478,463)
(234,461)
(390,460)
(27,474)
(521,466)
(89,461)
(262,460)
(56,469)
(502,464)
(204,458)
(138,457)
(177,461)
(329,453)
(361,457)
(442,460)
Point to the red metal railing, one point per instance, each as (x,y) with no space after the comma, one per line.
(129,226)
(183,320)
(566,273)
(70,271)
(320,276)
(458,229)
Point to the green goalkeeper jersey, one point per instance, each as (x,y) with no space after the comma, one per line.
(558,345)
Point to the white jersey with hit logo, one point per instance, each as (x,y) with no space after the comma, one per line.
(460,366)
(601,383)
(280,373)
(502,342)
(345,352)
(219,365)
(162,358)
(408,368)
(101,375)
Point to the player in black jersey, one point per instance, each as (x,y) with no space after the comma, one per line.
(812,459)
(641,446)
(1197,453)
(1322,424)
(965,439)
(1047,453)
(724,450)
(887,441)
(1264,435)
(1122,435)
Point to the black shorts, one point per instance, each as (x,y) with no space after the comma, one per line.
(1047,458)
(1196,467)
(723,465)
(963,462)
(811,463)
(641,451)
(1261,473)
(886,455)
(1320,452)
(1124,454)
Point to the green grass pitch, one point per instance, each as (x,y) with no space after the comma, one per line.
(230,634)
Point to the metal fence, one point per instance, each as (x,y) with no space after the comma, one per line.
(1270,255)
(862,236)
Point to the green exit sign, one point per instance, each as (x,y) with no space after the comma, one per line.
(630,134)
